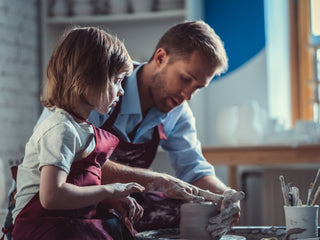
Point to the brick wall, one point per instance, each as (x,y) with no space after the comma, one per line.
(19,76)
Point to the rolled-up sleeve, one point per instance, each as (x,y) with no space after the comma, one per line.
(183,146)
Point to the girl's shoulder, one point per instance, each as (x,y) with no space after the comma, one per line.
(61,123)
(57,119)
(60,117)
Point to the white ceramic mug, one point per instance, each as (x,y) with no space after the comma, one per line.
(303,217)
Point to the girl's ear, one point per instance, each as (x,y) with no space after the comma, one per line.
(160,56)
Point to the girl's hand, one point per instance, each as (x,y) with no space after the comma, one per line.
(122,190)
(134,209)
(126,208)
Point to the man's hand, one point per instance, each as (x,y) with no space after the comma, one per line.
(229,213)
(177,189)
(122,190)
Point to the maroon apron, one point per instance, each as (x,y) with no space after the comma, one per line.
(159,211)
(35,222)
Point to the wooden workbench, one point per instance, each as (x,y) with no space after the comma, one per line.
(232,157)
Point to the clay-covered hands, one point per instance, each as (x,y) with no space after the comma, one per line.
(134,210)
(229,213)
(124,205)
(121,190)
(177,189)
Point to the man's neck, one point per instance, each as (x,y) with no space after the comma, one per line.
(144,77)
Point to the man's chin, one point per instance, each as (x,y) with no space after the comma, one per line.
(165,109)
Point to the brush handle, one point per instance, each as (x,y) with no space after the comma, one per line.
(314,188)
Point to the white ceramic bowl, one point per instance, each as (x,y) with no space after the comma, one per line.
(141,5)
(118,6)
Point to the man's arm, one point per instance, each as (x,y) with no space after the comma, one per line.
(114,172)
(211,183)
(154,181)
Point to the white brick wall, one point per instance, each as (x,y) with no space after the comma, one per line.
(19,77)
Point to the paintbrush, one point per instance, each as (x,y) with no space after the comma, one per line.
(309,191)
(314,187)
(316,195)
(284,191)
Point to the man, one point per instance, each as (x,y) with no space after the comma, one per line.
(154,111)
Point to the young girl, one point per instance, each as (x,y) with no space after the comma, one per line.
(59,191)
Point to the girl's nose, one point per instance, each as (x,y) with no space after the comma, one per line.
(120,92)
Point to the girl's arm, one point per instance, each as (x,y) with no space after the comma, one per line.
(56,193)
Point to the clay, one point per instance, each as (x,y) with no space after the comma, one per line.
(194,220)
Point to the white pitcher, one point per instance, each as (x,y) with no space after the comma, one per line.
(3,190)
(249,130)
(227,122)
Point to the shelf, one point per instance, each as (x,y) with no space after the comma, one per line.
(139,30)
(114,18)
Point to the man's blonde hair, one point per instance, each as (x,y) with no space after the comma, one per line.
(181,40)
(85,57)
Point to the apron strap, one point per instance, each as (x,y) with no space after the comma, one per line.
(133,133)
(6,231)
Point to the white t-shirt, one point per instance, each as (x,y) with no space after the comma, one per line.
(59,140)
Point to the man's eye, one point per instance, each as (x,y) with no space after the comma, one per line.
(185,80)
(195,91)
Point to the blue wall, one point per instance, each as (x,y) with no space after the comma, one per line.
(240,24)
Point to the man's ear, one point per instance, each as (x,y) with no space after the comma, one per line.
(160,56)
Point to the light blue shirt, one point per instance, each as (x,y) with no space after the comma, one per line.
(182,144)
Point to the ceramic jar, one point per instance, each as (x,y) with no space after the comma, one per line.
(3,189)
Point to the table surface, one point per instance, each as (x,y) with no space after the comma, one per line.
(249,232)
(234,156)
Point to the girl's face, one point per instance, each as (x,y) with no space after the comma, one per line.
(110,98)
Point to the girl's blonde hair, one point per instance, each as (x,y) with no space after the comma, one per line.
(85,57)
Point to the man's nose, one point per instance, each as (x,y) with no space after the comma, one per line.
(186,94)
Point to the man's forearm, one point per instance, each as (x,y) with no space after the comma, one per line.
(153,181)
(114,172)
(211,183)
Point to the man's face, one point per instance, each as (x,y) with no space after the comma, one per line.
(178,81)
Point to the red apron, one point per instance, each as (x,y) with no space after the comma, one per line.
(159,211)
(132,154)
(35,222)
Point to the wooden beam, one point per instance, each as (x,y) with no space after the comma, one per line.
(232,157)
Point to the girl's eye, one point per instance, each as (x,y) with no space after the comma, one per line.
(118,80)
